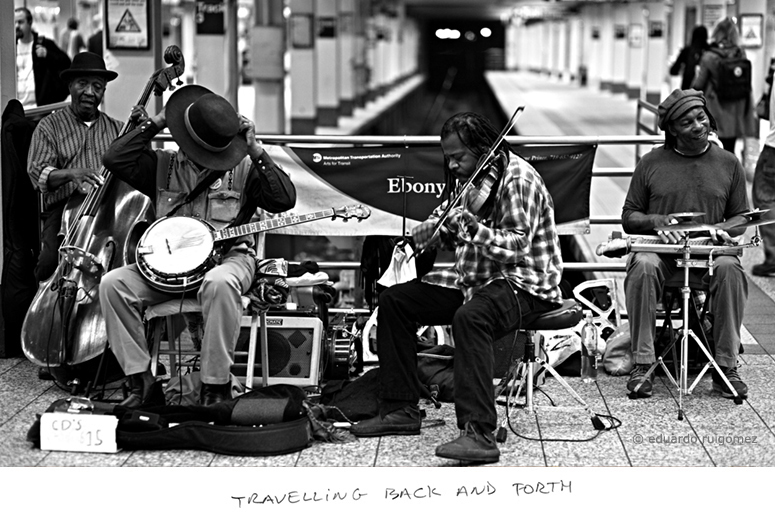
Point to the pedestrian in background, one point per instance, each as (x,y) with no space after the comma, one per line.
(763,195)
(38,64)
(72,41)
(735,117)
(689,58)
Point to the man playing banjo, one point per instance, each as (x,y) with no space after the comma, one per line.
(220,175)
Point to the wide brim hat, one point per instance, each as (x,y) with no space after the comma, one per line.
(88,64)
(206,127)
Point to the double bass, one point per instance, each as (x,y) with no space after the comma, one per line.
(64,327)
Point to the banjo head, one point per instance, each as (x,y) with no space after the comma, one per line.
(173,250)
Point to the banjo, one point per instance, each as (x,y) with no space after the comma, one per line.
(175,252)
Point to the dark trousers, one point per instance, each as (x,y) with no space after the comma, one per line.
(493,311)
(50,240)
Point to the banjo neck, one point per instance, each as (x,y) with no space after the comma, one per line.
(268,225)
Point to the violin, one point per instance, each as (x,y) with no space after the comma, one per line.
(476,191)
(64,326)
(482,190)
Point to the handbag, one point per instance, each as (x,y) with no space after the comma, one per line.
(763,107)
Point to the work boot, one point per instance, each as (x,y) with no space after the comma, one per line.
(214,393)
(763,269)
(143,391)
(734,379)
(401,422)
(640,386)
(473,445)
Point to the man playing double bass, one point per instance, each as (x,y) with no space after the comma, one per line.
(65,155)
(507,270)
(219,155)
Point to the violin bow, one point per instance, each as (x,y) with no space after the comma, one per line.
(488,158)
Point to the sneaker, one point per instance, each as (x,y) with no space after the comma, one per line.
(402,422)
(640,386)
(734,379)
(473,445)
(763,269)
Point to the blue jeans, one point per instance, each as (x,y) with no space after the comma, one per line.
(492,312)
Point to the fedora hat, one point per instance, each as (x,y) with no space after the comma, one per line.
(88,64)
(206,127)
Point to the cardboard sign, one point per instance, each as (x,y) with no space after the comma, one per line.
(78,432)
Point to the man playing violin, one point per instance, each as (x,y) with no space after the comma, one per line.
(218,151)
(688,173)
(506,271)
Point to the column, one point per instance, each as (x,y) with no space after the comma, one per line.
(635,50)
(266,66)
(657,76)
(576,45)
(210,49)
(326,63)
(359,57)
(302,73)
(347,49)
(619,56)
(134,66)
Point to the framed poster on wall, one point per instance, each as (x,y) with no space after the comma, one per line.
(751,26)
(127,24)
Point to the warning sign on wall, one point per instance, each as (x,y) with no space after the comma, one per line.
(127,24)
(751,30)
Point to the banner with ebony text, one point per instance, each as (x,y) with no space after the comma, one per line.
(402,185)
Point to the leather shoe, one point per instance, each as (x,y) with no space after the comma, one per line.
(473,445)
(143,391)
(45,374)
(214,393)
(763,269)
(402,422)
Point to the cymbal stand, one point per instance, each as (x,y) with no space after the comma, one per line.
(686,262)
(755,241)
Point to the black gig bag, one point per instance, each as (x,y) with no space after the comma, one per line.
(263,422)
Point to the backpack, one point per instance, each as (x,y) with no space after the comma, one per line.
(763,106)
(734,77)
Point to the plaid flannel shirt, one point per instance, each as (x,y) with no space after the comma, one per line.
(517,239)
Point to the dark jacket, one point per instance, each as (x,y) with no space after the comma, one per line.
(49,87)
(21,226)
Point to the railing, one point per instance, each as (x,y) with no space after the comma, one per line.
(355,141)
(651,128)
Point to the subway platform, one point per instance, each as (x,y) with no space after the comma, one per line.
(713,433)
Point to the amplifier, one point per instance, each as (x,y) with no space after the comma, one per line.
(294,346)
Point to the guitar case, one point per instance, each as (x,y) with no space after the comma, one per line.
(267,421)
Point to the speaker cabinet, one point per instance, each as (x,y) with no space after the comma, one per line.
(294,345)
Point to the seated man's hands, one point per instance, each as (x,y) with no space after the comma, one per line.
(461,223)
(721,237)
(85,178)
(668,236)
